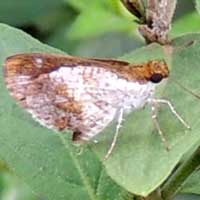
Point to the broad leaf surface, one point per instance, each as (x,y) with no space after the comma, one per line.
(96,20)
(55,169)
(192,185)
(184,25)
(198,5)
(27,11)
(140,163)
(46,161)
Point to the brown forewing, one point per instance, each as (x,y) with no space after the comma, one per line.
(28,64)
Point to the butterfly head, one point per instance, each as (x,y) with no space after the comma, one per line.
(158,71)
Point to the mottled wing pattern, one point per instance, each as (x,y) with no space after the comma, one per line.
(82,95)
(65,95)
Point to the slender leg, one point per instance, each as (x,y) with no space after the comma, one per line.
(119,122)
(164,101)
(156,123)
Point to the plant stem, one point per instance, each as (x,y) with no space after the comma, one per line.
(177,180)
(159,14)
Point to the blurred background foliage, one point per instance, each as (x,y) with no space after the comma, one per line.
(86,27)
(97,28)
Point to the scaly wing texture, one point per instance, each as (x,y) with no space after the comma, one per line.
(80,98)
(83,95)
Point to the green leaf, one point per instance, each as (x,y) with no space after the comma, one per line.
(140,163)
(85,4)
(51,166)
(26,11)
(13,188)
(187,197)
(119,43)
(189,23)
(96,20)
(192,185)
(198,5)
(46,161)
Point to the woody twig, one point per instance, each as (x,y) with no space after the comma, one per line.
(155,17)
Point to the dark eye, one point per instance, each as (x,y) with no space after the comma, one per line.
(156,78)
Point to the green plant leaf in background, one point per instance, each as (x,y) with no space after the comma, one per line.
(53,168)
(187,197)
(12,188)
(83,5)
(44,160)
(27,11)
(198,5)
(112,5)
(140,163)
(96,19)
(192,185)
(189,23)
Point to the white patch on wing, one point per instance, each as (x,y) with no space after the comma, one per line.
(102,94)
(39,62)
